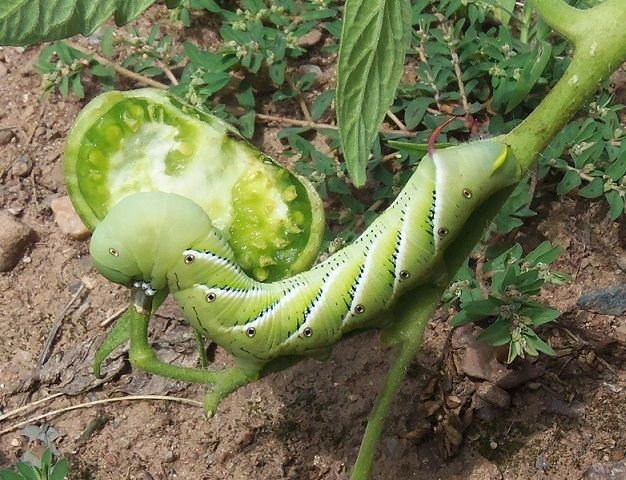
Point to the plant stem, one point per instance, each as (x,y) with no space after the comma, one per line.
(600,47)
(415,315)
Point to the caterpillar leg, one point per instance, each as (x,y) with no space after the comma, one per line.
(143,356)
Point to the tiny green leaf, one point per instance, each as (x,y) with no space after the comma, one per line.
(10,475)
(593,190)
(374,40)
(570,180)
(530,74)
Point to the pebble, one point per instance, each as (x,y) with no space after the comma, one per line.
(493,394)
(606,471)
(3,69)
(606,301)
(479,361)
(22,166)
(621,262)
(485,471)
(14,238)
(6,135)
(67,219)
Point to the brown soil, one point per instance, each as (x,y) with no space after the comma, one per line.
(305,422)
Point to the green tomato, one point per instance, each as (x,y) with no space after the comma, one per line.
(146,140)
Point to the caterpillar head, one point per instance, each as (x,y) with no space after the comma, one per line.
(144,234)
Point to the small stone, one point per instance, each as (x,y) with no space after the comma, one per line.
(479,361)
(606,471)
(22,166)
(620,333)
(621,262)
(541,463)
(606,301)
(67,219)
(313,69)
(3,70)
(493,394)
(6,135)
(493,445)
(310,39)
(16,442)
(14,238)
(245,438)
(485,470)
(168,456)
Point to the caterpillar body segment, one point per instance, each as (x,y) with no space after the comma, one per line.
(306,313)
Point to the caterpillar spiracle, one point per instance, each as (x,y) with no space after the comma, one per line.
(167,241)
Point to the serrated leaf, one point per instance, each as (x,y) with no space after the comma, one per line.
(23,22)
(594,189)
(570,180)
(374,40)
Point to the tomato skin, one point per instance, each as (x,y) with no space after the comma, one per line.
(146,140)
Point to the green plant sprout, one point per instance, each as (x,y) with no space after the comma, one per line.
(44,469)
(515,281)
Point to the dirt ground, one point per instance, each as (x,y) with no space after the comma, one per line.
(306,422)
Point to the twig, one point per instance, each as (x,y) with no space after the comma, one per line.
(9,127)
(457,69)
(43,356)
(304,123)
(112,317)
(100,402)
(421,51)
(167,71)
(119,69)
(397,121)
(18,410)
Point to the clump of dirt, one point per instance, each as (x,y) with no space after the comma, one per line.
(305,422)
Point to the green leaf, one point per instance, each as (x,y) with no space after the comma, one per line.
(374,40)
(570,180)
(23,22)
(460,318)
(530,74)
(60,469)
(616,201)
(544,253)
(594,189)
(539,316)
(617,169)
(321,103)
(10,475)
(28,471)
(497,334)
(483,307)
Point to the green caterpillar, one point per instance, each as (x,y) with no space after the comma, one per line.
(165,241)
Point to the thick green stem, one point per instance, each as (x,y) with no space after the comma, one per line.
(414,315)
(599,38)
